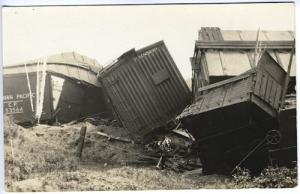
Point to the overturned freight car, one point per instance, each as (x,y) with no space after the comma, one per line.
(222,55)
(235,120)
(59,88)
(145,88)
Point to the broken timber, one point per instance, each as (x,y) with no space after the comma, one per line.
(115,137)
(243,44)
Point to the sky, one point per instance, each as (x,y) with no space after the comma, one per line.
(105,32)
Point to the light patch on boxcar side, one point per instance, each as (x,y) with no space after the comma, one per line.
(57,85)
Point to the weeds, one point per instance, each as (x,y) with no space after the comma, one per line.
(27,154)
(277,177)
(271,177)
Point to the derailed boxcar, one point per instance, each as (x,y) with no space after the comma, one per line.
(145,88)
(231,120)
(59,88)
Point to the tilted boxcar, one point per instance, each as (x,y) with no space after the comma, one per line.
(231,119)
(59,88)
(145,88)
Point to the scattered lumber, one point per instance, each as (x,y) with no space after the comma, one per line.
(115,137)
(192,172)
(183,133)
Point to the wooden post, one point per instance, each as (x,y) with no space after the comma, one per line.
(81,141)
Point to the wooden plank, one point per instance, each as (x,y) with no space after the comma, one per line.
(250,55)
(268,89)
(204,73)
(272,68)
(234,63)
(258,83)
(204,34)
(215,65)
(227,100)
(279,35)
(183,133)
(210,34)
(239,91)
(114,99)
(217,34)
(273,93)
(277,96)
(217,97)
(243,44)
(198,171)
(264,106)
(200,101)
(115,137)
(224,95)
(122,102)
(218,84)
(231,35)
(278,59)
(119,100)
(263,87)
(132,101)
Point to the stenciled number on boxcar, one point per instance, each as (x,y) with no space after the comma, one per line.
(13,104)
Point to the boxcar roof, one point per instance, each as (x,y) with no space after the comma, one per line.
(68,64)
(68,58)
(127,55)
(244,35)
(226,56)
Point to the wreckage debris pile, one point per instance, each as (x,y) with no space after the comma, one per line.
(171,151)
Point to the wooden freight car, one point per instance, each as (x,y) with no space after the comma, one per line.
(145,88)
(231,119)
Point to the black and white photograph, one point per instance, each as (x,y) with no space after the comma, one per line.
(157,96)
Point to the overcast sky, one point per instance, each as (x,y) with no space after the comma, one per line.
(105,32)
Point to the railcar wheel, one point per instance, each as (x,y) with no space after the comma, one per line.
(273,137)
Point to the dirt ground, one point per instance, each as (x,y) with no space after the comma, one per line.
(99,178)
(43,158)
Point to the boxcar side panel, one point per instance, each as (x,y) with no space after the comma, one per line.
(16,97)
